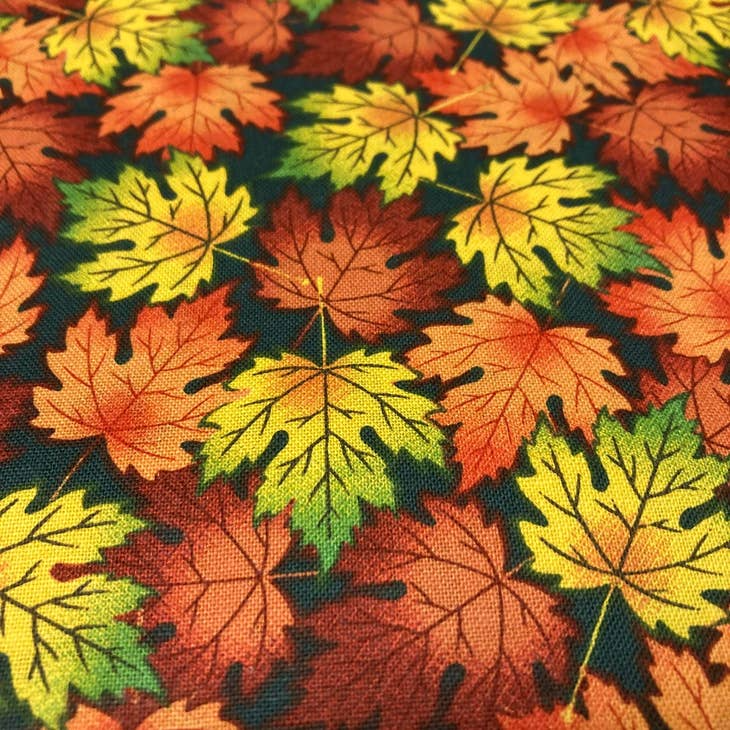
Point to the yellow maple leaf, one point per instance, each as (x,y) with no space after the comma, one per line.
(695,29)
(172,241)
(630,535)
(147,31)
(355,126)
(57,634)
(325,468)
(551,205)
(521,23)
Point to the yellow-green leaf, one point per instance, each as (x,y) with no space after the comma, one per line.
(147,31)
(354,126)
(62,635)
(311,7)
(551,206)
(326,467)
(521,23)
(169,242)
(630,535)
(695,29)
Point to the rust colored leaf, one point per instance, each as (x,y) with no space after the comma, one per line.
(361,288)
(141,407)
(16,399)
(522,365)
(387,34)
(389,655)
(192,103)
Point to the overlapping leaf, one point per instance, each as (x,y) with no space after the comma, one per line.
(141,407)
(174,717)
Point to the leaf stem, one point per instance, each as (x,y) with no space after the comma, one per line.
(84,455)
(449,100)
(456,191)
(323,327)
(568,712)
(251,262)
(467,51)
(299,574)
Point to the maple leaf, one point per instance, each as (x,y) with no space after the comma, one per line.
(174,717)
(217,585)
(522,365)
(25,7)
(355,126)
(667,120)
(604,707)
(141,407)
(311,7)
(16,400)
(629,536)
(361,291)
(31,73)
(533,111)
(27,170)
(62,634)
(600,47)
(244,30)
(326,468)
(697,306)
(551,205)
(709,394)
(697,29)
(721,650)
(686,699)
(192,104)
(387,33)
(172,240)
(389,655)
(521,23)
(17,286)
(148,32)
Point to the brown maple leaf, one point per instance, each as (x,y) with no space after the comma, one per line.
(522,365)
(239,31)
(193,103)
(384,33)
(459,606)
(16,401)
(216,585)
(28,170)
(360,287)
(600,46)
(696,307)
(32,73)
(533,110)
(141,407)
(17,286)
(692,132)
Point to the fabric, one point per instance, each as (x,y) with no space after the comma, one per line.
(364,364)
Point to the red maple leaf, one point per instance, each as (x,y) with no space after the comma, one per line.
(24,7)
(362,291)
(522,365)
(192,103)
(361,36)
(695,303)
(693,133)
(242,30)
(28,171)
(460,606)
(216,585)
(141,407)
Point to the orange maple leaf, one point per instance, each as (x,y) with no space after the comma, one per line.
(522,365)
(687,700)
(533,110)
(387,33)
(389,655)
(141,407)
(17,286)
(32,73)
(27,170)
(362,291)
(193,104)
(600,45)
(239,31)
(217,585)
(603,705)
(25,7)
(692,132)
(709,395)
(696,307)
